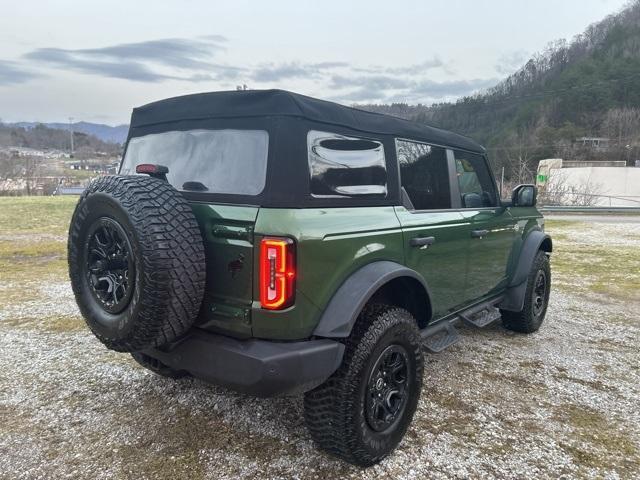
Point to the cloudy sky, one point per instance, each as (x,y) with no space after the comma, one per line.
(96,60)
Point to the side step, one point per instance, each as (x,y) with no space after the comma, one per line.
(441,337)
(482,318)
(444,334)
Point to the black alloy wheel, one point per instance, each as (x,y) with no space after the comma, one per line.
(386,395)
(539,295)
(109,265)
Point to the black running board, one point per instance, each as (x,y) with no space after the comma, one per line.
(443,333)
(481,318)
(437,339)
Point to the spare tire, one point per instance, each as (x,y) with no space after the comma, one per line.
(136,262)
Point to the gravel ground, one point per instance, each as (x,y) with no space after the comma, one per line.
(559,403)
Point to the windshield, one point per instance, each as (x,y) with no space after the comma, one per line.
(213,161)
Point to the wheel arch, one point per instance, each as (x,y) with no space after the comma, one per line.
(536,241)
(547,244)
(387,281)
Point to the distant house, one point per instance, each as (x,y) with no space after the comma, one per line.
(597,143)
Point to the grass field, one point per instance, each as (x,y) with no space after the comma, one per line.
(561,402)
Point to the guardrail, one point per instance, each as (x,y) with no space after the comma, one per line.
(598,210)
(580,199)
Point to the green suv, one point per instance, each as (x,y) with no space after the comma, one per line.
(278,244)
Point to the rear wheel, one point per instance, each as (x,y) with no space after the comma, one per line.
(362,411)
(530,318)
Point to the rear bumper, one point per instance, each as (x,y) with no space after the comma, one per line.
(257,367)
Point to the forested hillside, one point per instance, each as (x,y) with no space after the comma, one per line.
(106,133)
(42,137)
(589,87)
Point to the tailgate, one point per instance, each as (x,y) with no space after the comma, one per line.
(227,231)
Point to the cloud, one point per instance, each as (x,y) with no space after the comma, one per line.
(329,65)
(69,60)
(414,69)
(273,72)
(144,61)
(173,59)
(417,68)
(511,61)
(452,88)
(369,82)
(172,52)
(382,88)
(197,60)
(11,74)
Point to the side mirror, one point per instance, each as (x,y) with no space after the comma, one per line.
(524,196)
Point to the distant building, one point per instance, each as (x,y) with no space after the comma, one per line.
(596,143)
(593,163)
(590,183)
(33,152)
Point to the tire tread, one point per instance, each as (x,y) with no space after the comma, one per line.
(329,409)
(173,259)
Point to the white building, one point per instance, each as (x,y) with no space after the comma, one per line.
(590,184)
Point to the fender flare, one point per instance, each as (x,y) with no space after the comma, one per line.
(517,287)
(347,302)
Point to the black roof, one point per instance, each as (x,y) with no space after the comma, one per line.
(261,103)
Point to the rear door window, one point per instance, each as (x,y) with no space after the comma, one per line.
(210,161)
(342,166)
(424,174)
(477,188)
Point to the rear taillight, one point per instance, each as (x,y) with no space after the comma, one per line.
(277,273)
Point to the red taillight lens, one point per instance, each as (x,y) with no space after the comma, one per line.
(146,168)
(151,169)
(277,273)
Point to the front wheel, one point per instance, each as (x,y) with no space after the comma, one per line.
(362,411)
(530,318)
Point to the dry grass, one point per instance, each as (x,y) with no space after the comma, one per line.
(496,405)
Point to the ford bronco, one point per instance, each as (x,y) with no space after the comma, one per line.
(278,244)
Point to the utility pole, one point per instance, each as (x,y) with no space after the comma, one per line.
(71,135)
(28,175)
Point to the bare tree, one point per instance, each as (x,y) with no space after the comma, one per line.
(560,190)
(519,160)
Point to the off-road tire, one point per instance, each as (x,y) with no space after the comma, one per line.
(167,260)
(157,367)
(530,318)
(335,411)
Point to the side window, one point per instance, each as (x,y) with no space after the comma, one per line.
(345,166)
(477,188)
(424,174)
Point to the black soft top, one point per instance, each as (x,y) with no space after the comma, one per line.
(268,103)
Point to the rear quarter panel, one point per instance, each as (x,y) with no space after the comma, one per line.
(331,244)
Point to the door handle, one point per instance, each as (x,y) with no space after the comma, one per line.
(422,242)
(479,233)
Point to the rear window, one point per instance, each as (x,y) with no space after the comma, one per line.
(345,166)
(210,161)
(424,174)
